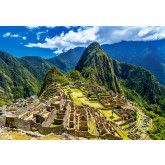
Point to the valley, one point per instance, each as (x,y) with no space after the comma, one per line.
(100,99)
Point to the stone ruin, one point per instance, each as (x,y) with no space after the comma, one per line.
(60,115)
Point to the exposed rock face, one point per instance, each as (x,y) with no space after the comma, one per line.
(97,67)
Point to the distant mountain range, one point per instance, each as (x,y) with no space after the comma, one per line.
(148,54)
(136,83)
(22,77)
(96,67)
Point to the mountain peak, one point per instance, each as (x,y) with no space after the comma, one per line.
(96,66)
(53,75)
(94,45)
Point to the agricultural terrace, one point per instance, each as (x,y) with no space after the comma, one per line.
(80,98)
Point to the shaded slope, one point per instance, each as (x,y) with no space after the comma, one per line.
(15,80)
(148,54)
(67,61)
(138,80)
(36,65)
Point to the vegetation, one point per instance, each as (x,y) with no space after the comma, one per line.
(108,114)
(37,66)
(22,77)
(158,130)
(75,76)
(53,76)
(15,80)
(49,91)
(148,54)
(67,61)
(79,98)
(136,83)
(96,67)
(123,134)
(92,127)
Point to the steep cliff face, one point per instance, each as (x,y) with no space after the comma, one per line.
(97,67)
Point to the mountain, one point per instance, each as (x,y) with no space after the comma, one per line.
(23,77)
(37,66)
(52,76)
(147,54)
(97,67)
(75,76)
(67,61)
(15,80)
(136,83)
(139,80)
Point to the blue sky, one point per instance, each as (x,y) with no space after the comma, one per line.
(49,41)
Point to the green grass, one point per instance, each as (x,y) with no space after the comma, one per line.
(108,115)
(53,125)
(123,134)
(92,127)
(79,98)
(103,94)
(125,126)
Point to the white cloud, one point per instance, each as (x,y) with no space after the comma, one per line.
(24,38)
(8,34)
(67,41)
(50,26)
(37,27)
(32,27)
(102,34)
(15,35)
(39,34)
(58,51)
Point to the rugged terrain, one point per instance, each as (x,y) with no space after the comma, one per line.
(97,81)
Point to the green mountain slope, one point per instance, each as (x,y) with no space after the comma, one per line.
(75,76)
(37,66)
(147,54)
(52,76)
(137,84)
(139,80)
(67,61)
(15,80)
(22,77)
(97,67)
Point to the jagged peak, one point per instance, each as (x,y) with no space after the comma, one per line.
(94,45)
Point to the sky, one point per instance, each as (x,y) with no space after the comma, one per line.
(50,41)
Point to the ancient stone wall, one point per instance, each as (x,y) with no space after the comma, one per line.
(23,124)
(50,118)
(24,109)
(110,137)
(85,134)
(47,130)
